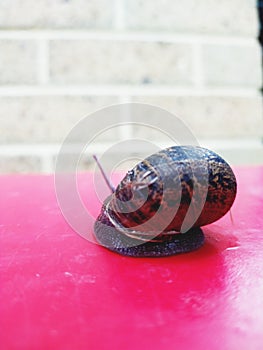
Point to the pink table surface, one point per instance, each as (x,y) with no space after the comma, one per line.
(59,291)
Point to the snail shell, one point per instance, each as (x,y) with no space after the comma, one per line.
(160,205)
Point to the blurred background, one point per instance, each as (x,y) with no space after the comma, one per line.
(61,60)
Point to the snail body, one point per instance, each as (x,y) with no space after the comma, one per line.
(160,205)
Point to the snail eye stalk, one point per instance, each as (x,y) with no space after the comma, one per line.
(107,180)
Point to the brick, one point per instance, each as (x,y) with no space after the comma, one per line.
(49,118)
(232,65)
(235,17)
(56,14)
(119,62)
(20,164)
(18,62)
(207,117)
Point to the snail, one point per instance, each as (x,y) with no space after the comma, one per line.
(161,204)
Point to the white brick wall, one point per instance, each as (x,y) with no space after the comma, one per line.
(61,60)
(235,17)
(232,65)
(120,62)
(18,62)
(27,14)
(45,119)
(210,117)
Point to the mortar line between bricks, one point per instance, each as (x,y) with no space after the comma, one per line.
(43,61)
(125,90)
(198,66)
(119,20)
(126,132)
(213,39)
(52,149)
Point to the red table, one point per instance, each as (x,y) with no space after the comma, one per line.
(59,291)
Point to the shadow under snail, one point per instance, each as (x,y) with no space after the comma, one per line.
(159,206)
